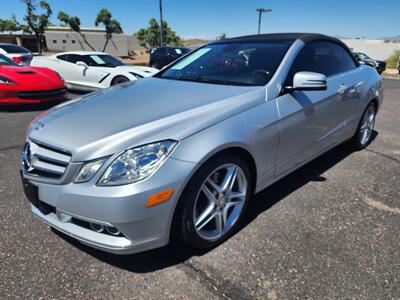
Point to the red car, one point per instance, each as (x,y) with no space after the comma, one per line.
(24,84)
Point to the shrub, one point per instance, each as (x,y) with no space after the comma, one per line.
(393,59)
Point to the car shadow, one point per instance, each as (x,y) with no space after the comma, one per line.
(176,253)
(29,107)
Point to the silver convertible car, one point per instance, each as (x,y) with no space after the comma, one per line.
(180,154)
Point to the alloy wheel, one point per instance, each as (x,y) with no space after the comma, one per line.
(220,201)
(367,125)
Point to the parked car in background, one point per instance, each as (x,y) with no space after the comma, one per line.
(18,54)
(88,71)
(379,65)
(165,55)
(24,84)
(398,66)
(180,154)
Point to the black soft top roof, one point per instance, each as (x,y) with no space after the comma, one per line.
(288,38)
(284,37)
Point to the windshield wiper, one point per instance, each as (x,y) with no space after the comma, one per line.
(209,80)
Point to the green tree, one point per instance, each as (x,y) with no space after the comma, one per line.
(149,37)
(75,24)
(393,59)
(222,37)
(37,23)
(9,25)
(111,25)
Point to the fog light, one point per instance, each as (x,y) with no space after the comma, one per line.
(112,230)
(97,227)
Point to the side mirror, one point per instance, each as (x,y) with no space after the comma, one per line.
(81,64)
(308,81)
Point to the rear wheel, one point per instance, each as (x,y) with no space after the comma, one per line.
(214,202)
(118,80)
(366,127)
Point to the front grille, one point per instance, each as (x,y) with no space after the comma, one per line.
(33,95)
(45,161)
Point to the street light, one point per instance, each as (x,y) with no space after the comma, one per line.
(161,25)
(260,11)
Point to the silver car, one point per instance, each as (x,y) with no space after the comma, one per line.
(180,155)
(18,54)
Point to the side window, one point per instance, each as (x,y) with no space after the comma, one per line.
(346,62)
(318,57)
(73,58)
(63,57)
(162,51)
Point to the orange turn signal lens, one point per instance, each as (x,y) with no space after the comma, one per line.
(159,197)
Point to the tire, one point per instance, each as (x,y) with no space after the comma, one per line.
(363,136)
(118,80)
(203,233)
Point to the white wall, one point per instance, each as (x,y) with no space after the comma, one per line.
(377,49)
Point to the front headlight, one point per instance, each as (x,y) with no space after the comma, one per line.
(88,170)
(5,80)
(137,163)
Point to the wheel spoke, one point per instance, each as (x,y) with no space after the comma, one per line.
(234,195)
(210,196)
(205,217)
(229,179)
(214,185)
(219,223)
(233,203)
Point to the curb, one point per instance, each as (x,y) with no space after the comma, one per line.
(391,77)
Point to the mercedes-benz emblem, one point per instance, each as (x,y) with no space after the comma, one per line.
(27,158)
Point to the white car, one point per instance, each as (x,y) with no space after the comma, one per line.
(90,71)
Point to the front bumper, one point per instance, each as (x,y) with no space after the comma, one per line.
(122,207)
(14,97)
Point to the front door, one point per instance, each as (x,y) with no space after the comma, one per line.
(309,119)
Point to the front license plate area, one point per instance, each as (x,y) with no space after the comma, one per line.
(31,191)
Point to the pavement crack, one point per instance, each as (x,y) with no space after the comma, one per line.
(220,287)
(383,155)
(379,205)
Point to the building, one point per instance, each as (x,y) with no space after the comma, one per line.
(20,38)
(62,39)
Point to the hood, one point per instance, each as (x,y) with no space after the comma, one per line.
(143,71)
(135,113)
(31,78)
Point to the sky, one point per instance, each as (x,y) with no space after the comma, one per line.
(210,18)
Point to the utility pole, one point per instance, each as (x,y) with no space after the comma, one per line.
(260,11)
(161,26)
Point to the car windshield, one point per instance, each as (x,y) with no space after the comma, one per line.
(5,61)
(102,60)
(230,63)
(363,55)
(14,49)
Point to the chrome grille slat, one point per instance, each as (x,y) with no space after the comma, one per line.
(45,161)
(46,167)
(50,155)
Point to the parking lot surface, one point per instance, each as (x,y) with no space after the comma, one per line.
(329,230)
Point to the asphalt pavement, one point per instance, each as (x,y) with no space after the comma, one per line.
(328,231)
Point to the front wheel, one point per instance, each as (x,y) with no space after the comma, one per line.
(119,80)
(214,201)
(365,129)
